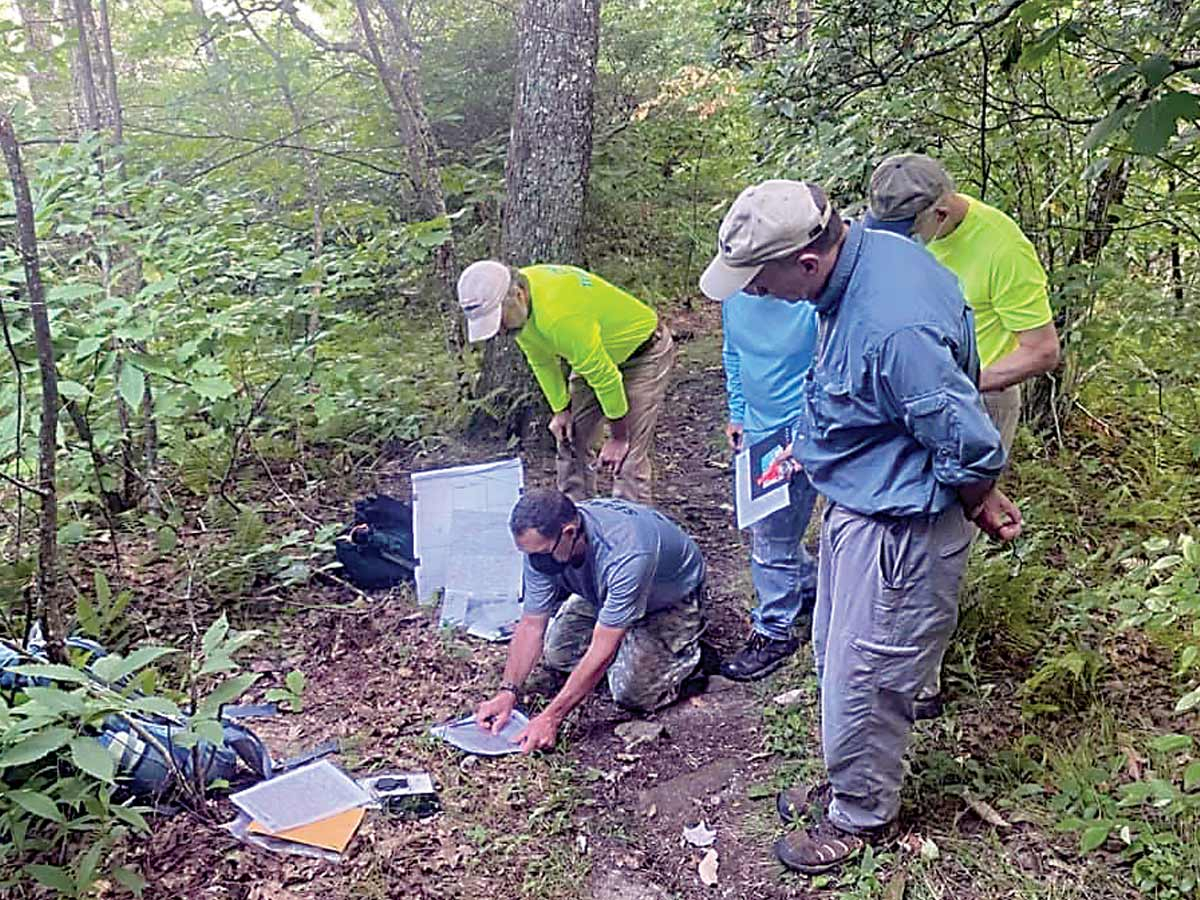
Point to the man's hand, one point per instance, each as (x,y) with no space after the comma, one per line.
(733,432)
(560,426)
(539,734)
(494,714)
(997,516)
(613,453)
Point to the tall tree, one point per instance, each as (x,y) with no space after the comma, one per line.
(50,612)
(546,172)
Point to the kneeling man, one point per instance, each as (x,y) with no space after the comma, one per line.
(610,586)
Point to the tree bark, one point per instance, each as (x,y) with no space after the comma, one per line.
(48,600)
(545,175)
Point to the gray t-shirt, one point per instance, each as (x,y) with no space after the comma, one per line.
(637,562)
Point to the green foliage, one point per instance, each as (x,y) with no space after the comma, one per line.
(291,695)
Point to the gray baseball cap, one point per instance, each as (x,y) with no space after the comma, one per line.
(767,221)
(904,186)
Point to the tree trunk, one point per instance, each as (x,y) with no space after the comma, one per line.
(48,600)
(545,175)
(396,62)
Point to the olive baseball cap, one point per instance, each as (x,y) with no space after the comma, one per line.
(767,221)
(904,186)
(482,288)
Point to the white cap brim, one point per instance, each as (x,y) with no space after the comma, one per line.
(721,281)
(486,326)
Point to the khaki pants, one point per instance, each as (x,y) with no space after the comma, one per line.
(1005,409)
(646,378)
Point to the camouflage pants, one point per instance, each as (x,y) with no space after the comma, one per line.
(656,656)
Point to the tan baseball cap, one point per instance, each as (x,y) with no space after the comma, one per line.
(767,221)
(904,186)
(482,288)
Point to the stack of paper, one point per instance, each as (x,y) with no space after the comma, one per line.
(460,530)
(315,806)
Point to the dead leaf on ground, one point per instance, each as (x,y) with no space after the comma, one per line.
(708,868)
(986,812)
(895,887)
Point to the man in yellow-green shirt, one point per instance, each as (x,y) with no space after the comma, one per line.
(619,353)
(996,265)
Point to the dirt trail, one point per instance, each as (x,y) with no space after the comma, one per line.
(596,818)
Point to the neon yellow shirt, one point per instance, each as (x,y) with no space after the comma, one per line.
(580,317)
(1000,275)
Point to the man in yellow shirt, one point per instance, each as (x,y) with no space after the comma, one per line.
(619,353)
(997,266)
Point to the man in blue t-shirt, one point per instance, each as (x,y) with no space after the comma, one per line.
(767,349)
(611,586)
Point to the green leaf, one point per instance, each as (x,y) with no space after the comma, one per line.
(88,346)
(130,880)
(215,634)
(1045,43)
(37,803)
(35,746)
(155,365)
(1094,836)
(1188,701)
(132,385)
(92,758)
(1171,743)
(159,706)
(115,667)
(1191,776)
(130,816)
(55,877)
(154,288)
(226,692)
(1187,658)
(64,292)
(295,681)
(72,390)
(53,671)
(1155,69)
(166,539)
(103,591)
(1105,128)
(57,701)
(1156,124)
(213,387)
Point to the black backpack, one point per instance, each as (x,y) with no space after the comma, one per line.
(377,550)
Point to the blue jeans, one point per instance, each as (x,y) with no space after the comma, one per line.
(784,574)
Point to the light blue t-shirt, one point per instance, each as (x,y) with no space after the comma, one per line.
(767,348)
(637,562)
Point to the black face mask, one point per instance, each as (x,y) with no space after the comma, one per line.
(546,564)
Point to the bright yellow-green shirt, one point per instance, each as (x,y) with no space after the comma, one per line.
(580,317)
(1000,275)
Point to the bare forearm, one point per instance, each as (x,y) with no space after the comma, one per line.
(971,495)
(1037,352)
(619,428)
(525,649)
(582,681)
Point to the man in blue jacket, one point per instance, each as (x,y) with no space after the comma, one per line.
(767,349)
(893,432)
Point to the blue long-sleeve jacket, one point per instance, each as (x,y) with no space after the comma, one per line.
(892,422)
(767,348)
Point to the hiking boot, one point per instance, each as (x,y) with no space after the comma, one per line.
(808,802)
(930,707)
(759,658)
(818,849)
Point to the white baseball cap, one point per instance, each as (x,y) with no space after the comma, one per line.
(767,221)
(482,288)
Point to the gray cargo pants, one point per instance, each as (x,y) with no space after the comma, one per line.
(657,653)
(887,603)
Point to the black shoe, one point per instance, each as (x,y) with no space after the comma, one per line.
(929,707)
(760,657)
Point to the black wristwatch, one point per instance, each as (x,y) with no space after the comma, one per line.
(509,686)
